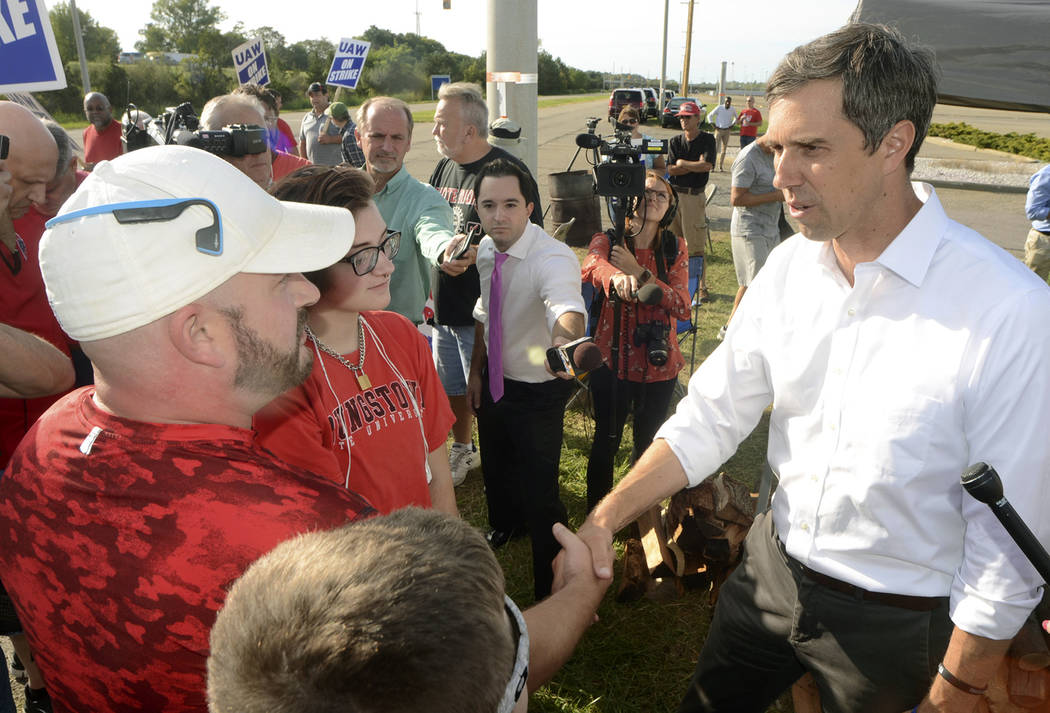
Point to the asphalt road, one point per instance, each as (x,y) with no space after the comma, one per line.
(997,215)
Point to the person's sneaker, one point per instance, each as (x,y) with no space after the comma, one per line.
(461,458)
(18,669)
(722,332)
(37,700)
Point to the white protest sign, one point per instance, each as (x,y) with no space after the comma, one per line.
(249,60)
(348,62)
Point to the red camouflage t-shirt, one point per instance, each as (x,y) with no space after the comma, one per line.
(121,539)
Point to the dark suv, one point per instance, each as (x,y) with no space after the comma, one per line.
(628,97)
(650,102)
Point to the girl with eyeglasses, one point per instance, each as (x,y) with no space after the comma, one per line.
(640,378)
(372,415)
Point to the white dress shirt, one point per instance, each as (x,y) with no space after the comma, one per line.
(883,394)
(721,117)
(541,282)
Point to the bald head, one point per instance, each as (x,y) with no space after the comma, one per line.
(97,110)
(32,158)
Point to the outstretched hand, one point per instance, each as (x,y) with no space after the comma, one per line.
(599,541)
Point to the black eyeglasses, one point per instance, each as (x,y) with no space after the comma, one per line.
(209,238)
(658,196)
(630,122)
(364,260)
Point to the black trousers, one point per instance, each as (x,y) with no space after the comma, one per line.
(772,624)
(520,440)
(613,400)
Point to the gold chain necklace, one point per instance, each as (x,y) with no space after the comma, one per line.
(357,369)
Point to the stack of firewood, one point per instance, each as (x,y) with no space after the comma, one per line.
(694,543)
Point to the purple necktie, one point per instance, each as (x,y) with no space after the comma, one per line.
(496,329)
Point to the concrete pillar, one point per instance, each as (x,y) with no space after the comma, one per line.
(511,88)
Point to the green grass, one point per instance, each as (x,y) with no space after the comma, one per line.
(1028,145)
(638,657)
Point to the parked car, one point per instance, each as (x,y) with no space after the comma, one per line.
(669,118)
(628,97)
(650,103)
(668,95)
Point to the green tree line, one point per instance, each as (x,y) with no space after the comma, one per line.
(398,64)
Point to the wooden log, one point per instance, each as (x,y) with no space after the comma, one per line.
(635,580)
(654,543)
(1028,689)
(805,696)
(1028,649)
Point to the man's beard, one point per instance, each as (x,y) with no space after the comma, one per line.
(263,369)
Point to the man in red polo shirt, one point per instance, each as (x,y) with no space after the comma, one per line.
(102,136)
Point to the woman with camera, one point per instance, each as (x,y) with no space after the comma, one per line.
(372,414)
(644,285)
(629,117)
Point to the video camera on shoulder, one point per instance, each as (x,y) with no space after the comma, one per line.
(180,125)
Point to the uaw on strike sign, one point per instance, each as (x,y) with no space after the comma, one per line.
(249,60)
(348,62)
(29,59)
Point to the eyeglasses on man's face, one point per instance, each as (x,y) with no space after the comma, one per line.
(365,260)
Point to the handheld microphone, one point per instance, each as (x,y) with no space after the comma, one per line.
(983,483)
(576,358)
(650,294)
(588,141)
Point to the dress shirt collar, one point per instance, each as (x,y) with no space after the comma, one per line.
(522,245)
(911,252)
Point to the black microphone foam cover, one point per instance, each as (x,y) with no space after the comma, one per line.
(983,483)
(587,357)
(588,141)
(650,294)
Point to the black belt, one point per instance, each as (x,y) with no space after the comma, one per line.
(1041,232)
(901,601)
(690,190)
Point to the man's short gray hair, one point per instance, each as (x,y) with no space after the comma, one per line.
(884,79)
(100,95)
(475,111)
(361,115)
(216,108)
(65,146)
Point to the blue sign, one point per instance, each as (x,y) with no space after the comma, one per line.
(249,60)
(436,80)
(348,62)
(29,60)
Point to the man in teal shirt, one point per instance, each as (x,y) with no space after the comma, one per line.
(384,132)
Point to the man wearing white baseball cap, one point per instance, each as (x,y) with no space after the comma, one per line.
(132,505)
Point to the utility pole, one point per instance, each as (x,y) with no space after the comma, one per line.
(688,49)
(85,79)
(512,62)
(663,64)
(417,19)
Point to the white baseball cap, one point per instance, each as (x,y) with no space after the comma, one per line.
(155,229)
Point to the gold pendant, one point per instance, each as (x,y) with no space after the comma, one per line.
(363,381)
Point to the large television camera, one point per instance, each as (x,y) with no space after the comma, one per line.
(622,173)
(180,125)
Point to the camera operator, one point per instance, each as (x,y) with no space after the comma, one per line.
(238,109)
(649,359)
(629,118)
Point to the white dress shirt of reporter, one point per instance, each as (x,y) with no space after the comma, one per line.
(384,132)
(897,348)
(520,431)
(240,109)
(402,612)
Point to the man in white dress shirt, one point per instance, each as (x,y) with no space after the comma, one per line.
(519,403)
(897,347)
